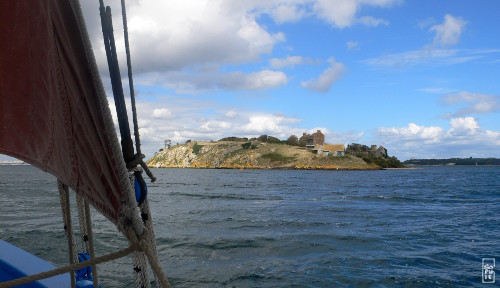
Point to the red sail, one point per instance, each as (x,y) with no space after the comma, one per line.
(53,114)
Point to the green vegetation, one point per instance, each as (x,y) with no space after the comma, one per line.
(454,161)
(292,140)
(246,145)
(234,139)
(196,148)
(357,148)
(277,157)
(382,162)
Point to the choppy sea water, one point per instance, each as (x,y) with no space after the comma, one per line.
(280,228)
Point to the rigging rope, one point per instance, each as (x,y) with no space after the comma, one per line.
(148,223)
(82,220)
(68,226)
(141,277)
(95,279)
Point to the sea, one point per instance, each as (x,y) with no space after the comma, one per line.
(426,227)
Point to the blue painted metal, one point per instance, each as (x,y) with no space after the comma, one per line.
(16,263)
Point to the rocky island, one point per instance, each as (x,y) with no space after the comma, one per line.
(267,152)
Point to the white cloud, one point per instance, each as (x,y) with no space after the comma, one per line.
(412,133)
(289,61)
(178,37)
(473,103)
(466,126)
(424,23)
(174,35)
(231,114)
(325,81)
(449,32)
(352,45)
(268,123)
(287,12)
(429,56)
(342,13)
(372,21)
(168,36)
(437,90)
(464,138)
(336,12)
(211,79)
(214,125)
(161,113)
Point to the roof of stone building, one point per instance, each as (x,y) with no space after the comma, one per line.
(333,147)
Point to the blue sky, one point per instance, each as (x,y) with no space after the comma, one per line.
(420,78)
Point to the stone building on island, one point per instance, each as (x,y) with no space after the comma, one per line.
(316,142)
(311,140)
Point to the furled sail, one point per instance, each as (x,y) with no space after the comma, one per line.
(53,110)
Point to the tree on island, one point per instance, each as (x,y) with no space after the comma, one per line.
(262,138)
(292,141)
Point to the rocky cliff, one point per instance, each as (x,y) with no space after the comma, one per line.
(258,155)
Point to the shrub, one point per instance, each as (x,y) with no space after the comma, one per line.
(262,138)
(196,148)
(277,157)
(271,139)
(246,145)
(234,138)
(292,141)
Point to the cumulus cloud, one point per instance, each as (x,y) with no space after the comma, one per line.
(466,126)
(342,13)
(267,123)
(172,35)
(161,113)
(287,12)
(177,37)
(211,79)
(325,81)
(201,119)
(463,138)
(472,103)
(448,32)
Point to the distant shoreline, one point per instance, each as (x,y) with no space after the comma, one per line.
(454,162)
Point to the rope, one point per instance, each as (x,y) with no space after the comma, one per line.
(83,224)
(72,267)
(68,227)
(148,223)
(95,279)
(141,277)
(153,262)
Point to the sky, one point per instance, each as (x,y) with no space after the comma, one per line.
(421,78)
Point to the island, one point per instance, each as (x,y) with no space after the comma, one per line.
(453,161)
(268,152)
